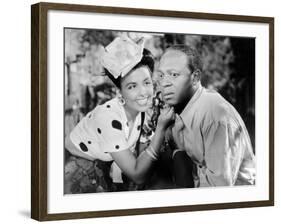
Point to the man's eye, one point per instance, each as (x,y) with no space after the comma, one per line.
(174,74)
(161,75)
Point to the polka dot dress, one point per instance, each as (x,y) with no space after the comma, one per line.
(105,130)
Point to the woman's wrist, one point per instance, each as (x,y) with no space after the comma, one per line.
(160,127)
(158,138)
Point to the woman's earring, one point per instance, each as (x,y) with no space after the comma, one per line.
(121,100)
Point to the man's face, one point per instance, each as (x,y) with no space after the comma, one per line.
(175,77)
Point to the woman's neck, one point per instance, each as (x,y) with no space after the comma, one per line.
(131,114)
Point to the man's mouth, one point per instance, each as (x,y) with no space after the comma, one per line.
(168,95)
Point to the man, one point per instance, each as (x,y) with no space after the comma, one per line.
(207,127)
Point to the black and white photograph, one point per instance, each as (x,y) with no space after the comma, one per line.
(139,111)
(157,111)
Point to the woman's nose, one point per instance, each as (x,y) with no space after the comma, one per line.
(140,90)
(143,90)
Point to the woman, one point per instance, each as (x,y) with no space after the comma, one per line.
(111,131)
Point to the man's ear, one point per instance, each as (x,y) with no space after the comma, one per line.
(196,76)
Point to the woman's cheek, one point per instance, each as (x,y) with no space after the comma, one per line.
(150,90)
(130,94)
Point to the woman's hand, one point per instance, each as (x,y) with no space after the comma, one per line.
(177,132)
(166,117)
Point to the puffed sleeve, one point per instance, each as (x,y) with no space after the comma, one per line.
(83,140)
(223,152)
(110,130)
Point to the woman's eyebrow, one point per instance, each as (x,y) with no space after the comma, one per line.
(146,79)
(129,83)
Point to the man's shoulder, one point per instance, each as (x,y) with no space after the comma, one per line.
(210,99)
(214,104)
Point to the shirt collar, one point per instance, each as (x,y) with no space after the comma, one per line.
(193,99)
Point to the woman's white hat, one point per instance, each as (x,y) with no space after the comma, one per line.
(121,55)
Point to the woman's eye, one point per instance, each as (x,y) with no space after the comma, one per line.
(131,86)
(147,83)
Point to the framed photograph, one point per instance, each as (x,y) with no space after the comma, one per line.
(139,111)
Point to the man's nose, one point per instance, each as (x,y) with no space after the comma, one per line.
(165,82)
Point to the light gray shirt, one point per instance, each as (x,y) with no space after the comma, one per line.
(213,134)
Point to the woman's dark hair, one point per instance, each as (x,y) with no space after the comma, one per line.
(146,60)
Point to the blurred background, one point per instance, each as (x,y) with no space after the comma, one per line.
(228,67)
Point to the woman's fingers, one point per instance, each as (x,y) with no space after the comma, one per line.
(167,116)
(165,110)
(178,132)
(172,114)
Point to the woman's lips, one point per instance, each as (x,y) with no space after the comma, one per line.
(143,101)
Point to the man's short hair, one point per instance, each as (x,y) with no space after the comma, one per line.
(194,59)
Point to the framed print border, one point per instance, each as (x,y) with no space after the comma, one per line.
(39,109)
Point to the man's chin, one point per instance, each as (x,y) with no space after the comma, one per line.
(170,102)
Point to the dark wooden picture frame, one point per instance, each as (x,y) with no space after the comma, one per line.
(39,108)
